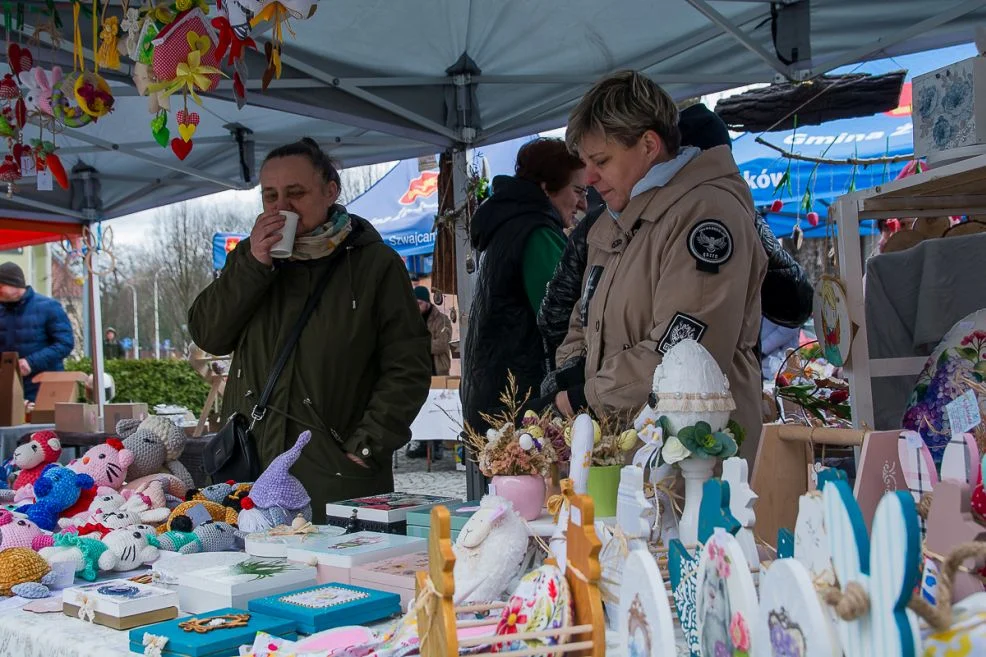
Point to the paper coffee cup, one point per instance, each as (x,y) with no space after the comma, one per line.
(285,247)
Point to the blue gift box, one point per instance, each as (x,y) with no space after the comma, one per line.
(329,606)
(224,642)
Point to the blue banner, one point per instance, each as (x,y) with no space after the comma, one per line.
(402,205)
(222,244)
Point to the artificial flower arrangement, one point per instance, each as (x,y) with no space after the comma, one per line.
(509,450)
(611,442)
(806,380)
(663,446)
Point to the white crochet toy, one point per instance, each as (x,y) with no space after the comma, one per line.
(107,500)
(128,549)
(149,503)
(489,551)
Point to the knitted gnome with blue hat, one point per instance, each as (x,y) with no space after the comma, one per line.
(277,496)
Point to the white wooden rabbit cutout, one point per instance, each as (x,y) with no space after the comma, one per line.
(792,620)
(883,571)
(583,438)
(736,472)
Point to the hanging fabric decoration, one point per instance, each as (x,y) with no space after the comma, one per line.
(72,116)
(108,54)
(47,160)
(186,49)
(92,92)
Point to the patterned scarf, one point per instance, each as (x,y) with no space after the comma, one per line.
(324,239)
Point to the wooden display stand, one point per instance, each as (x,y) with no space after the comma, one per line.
(437,620)
(203,364)
(780,473)
(955,189)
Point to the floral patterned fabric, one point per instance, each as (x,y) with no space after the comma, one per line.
(541,602)
(958,359)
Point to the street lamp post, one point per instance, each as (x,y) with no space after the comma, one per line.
(133,289)
(157,322)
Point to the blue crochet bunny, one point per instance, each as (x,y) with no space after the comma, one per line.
(57,489)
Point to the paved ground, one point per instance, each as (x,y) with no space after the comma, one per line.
(411,476)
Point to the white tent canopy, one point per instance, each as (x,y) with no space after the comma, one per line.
(378,80)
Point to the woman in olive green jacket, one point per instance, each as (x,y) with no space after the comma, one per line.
(361,369)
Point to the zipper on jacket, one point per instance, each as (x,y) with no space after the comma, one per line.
(349,269)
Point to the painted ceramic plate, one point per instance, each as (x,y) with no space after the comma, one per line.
(832,323)
(792,621)
(726,602)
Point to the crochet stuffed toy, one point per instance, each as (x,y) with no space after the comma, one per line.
(217,512)
(25,573)
(173,486)
(277,497)
(32,457)
(107,500)
(173,540)
(20,532)
(57,489)
(82,551)
(107,465)
(214,537)
(149,502)
(157,444)
(127,549)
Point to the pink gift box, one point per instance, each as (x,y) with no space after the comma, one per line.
(394,575)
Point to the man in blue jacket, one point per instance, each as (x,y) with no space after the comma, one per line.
(33,325)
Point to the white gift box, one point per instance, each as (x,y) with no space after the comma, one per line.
(235,585)
(276,547)
(336,556)
(120,603)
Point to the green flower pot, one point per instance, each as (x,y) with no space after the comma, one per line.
(604,483)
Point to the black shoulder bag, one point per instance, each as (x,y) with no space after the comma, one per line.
(231,455)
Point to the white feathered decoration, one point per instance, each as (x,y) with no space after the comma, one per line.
(489,551)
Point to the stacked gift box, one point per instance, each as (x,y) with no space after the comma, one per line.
(419,520)
(381,513)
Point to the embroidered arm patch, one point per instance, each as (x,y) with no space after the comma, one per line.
(711,244)
(682,327)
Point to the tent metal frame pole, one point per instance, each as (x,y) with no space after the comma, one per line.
(164,164)
(644,62)
(742,37)
(863,52)
(342,85)
(96,341)
(48,207)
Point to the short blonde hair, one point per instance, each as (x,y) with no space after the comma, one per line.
(624,106)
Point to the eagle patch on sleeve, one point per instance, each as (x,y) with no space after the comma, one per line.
(711,244)
(682,327)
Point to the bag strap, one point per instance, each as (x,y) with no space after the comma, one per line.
(260,410)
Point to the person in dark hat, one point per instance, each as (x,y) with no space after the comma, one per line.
(34,326)
(112,349)
(440,328)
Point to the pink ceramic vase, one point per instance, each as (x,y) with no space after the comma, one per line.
(525,492)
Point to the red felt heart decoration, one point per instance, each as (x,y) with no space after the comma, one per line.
(181,147)
(20,59)
(187,118)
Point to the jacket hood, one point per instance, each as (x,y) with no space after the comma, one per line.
(512,199)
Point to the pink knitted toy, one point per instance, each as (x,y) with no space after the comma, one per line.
(20,532)
(107,465)
(32,457)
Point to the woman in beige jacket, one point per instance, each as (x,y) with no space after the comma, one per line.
(678,257)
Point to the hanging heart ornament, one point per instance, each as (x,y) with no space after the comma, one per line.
(159,128)
(187,123)
(181,148)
